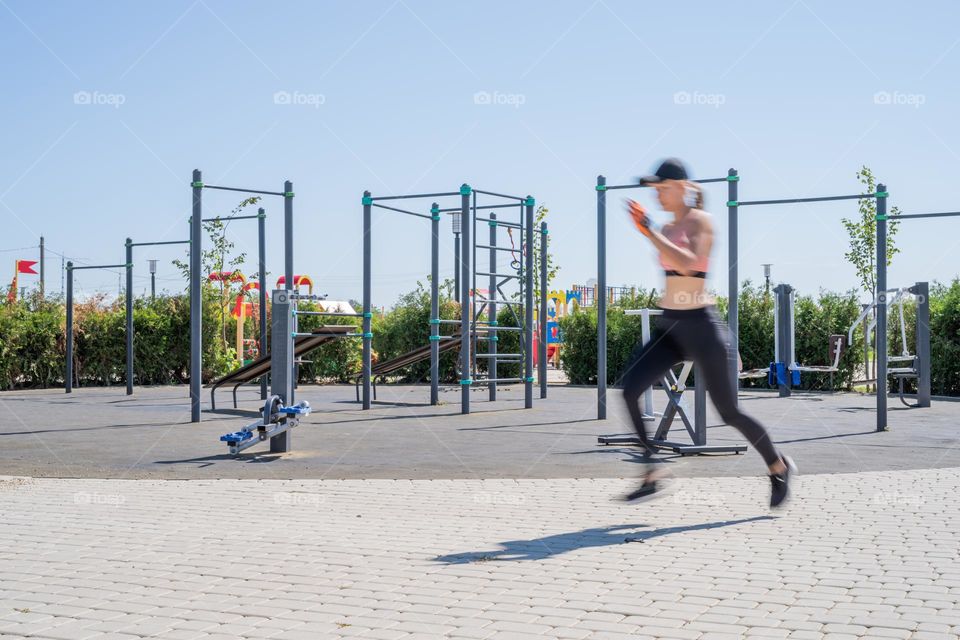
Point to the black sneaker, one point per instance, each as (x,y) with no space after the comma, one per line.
(780,483)
(655,484)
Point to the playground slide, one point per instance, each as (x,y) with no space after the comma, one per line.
(405,360)
(261,366)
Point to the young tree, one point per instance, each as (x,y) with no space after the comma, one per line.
(863,236)
(552,268)
(218,258)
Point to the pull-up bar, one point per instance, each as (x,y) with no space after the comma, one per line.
(68,374)
(409,213)
(501,195)
(881,330)
(859,196)
(154,244)
(130,244)
(602,187)
(284,194)
(196,245)
(417,195)
(946,214)
(228,219)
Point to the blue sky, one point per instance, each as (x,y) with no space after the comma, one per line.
(383,98)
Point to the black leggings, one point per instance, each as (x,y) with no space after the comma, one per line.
(698,335)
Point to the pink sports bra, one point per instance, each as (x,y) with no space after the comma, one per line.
(679,237)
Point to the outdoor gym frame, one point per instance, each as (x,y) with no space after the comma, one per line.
(468,324)
(68,374)
(196,252)
(882,217)
(733,209)
(602,188)
(129,245)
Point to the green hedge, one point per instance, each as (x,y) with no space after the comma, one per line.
(817,317)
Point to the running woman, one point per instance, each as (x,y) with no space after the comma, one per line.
(689,328)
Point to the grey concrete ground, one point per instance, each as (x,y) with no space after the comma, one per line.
(103,433)
(869,555)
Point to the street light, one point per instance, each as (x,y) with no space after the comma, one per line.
(153,279)
(766,274)
(455,225)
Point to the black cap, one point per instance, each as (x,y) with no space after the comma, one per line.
(669,169)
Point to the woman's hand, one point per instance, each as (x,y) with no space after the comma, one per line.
(639,216)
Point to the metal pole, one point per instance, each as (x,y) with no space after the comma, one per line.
(922,291)
(492,311)
(699,407)
(465,312)
(435,304)
(129,297)
(529,237)
(288,234)
(881,350)
(153,286)
(196,326)
(262,275)
(281,360)
(733,283)
(68,376)
(288,266)
(645,336)
(43,263)
(601,298)
(542,373)
(367,310)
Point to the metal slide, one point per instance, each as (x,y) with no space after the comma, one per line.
(261,366)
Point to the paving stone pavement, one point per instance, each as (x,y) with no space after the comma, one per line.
(866,555)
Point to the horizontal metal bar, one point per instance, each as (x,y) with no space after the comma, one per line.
(637,185)
(451,321)
(860,196)
(486,206)
(945,214)
(499,195)
(418,195)
(150,244)
(497,328)
(708,180)
(229,218)
(500,301)
(487,246)
(100,266)
(496,380)
(498,275)
(501,223)
(409,213)
(266,193)
(297,312)
(497,355)
(298,334)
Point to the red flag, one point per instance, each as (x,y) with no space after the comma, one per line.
(26,266)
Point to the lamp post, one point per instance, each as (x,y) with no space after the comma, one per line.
(766,274)
(455,225)
(153,279)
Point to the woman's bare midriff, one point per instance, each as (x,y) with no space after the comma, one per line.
(686,292)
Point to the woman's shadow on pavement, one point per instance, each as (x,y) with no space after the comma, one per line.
(549,546)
